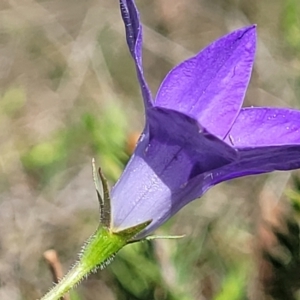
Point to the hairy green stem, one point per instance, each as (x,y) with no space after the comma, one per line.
(98,251)
(74,276)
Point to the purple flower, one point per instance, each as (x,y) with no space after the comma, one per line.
(196,133)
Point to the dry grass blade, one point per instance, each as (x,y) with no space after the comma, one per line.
(55,266)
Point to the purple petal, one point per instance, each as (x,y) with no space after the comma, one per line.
(251,162)
(262,126)
(174,128)
(267,139)
(134,39)
(174,149)
(211,86)
(257,161)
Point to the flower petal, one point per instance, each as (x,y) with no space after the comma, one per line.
(134,39)
(256,161)
(267,139)
(174,128)
(211,85)
(263,126)
(251,162)
(174,149)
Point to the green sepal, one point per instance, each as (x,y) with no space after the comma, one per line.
(130,233)
(102,190)
(158,237)
(164,237)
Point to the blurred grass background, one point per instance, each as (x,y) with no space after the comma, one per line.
(68,92)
